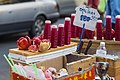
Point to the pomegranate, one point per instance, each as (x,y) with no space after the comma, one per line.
(44,45)
(32,48)
(23,43)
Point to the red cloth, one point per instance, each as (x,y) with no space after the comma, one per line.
(93,3)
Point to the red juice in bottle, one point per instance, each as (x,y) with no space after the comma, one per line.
(99,29)
(89,34)
(117,28)
(79,31)
(61,35)
(54,36)
(67,28)
(47,30)
(73,28)
(108,28)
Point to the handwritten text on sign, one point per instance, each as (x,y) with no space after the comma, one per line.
(86,15)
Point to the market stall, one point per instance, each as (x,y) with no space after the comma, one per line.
(111,39)
(54,55)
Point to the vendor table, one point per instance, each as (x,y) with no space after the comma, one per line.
(26,57)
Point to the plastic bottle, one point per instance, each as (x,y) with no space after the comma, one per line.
(108,28)
(67,30)
(101,50)
(47,30)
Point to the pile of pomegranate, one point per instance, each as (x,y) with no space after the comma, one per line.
(37,43)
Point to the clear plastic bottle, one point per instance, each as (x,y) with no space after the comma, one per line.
(101,50)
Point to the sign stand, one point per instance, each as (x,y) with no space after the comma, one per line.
(78,47)
(86,18)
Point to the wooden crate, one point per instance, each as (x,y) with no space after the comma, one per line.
(76,61)
(48,63)
(113,47)
(71,62)
(110,44)
(114,66)
(87,74)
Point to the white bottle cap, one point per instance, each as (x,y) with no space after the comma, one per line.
(73,14)
(99,21)
(60,25)
(67,19)
(118,16)
(102,43)
(54,26)
(48,21)
(108,16)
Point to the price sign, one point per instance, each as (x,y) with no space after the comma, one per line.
(87,16)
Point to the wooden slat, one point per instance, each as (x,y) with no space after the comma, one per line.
(114,66)
(83,63)
(110,44)
(28,53)
(114,71)
(117,77)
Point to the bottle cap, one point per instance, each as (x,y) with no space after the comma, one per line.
(67,19)
(48,21)
(73,14)
(54,26)
(118,16)
(61,25)
(99,21)
(102,43)
(108,16)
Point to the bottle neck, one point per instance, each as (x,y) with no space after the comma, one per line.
(102,47)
